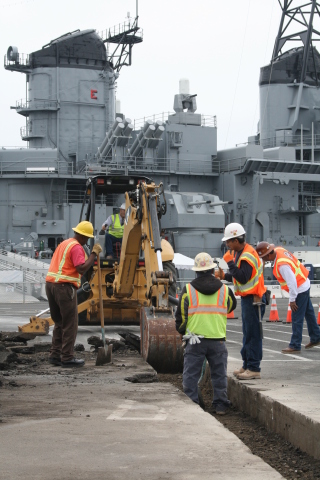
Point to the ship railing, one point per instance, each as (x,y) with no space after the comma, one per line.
(206,120)
(20,59)
(125,27)
(288,140)
(231,164)
(31,264)
(52,167)
(36,166)
(156,165)
(36,104)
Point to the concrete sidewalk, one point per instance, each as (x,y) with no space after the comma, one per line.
(91,423)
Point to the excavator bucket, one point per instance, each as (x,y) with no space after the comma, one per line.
(38,326)
(161,344)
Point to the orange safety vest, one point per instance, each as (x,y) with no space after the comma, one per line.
(61,268)
(255,286)
(286,258)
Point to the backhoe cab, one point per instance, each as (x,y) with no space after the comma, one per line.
(136,286)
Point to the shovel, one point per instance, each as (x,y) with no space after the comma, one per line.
(104,353)
(257,301)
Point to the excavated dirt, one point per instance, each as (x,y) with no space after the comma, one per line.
(288,460)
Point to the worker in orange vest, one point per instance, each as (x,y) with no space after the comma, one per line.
(293,278)
(67,266)
(246,272)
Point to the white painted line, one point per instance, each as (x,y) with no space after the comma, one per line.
(298,357)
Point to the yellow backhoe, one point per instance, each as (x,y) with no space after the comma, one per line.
(139,287)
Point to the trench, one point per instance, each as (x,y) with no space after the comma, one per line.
(271,447)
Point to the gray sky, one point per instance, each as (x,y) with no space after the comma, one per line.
(219,45)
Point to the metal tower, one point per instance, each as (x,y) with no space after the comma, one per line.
(296,25)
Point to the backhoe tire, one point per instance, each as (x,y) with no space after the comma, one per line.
(169,267)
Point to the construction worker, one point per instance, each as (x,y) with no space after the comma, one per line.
(293,278)
(114,226)
(246,272)
(201,317)
(67,266)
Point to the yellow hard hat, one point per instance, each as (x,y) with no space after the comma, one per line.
(84,228)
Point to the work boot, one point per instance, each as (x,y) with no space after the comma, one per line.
(75,362)
(55,361)
(291,350)
(312,344)
(249,375)
(239,370)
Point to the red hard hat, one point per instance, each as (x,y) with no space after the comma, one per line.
(263,248)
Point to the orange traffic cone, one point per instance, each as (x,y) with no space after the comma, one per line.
(230,315)
(318,321)
(274,316)
(289,315)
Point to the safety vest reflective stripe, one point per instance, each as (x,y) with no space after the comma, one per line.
(193,296)
(211,310)
(62,277)
(297,269)
(59,276)
(218,308)
(256,284)
(207,314)
(283,258)
(116,229)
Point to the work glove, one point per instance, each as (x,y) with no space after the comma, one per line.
(219,274)
(228,256)
(192,337)
(96,248)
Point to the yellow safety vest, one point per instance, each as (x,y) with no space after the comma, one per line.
(207,314)
(116,229)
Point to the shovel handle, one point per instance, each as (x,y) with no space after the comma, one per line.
(101,300)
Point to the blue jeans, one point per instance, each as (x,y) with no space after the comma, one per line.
(215,351)
(251,351)
(305,310)
(110,240)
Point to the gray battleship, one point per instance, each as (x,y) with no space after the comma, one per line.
(270,184)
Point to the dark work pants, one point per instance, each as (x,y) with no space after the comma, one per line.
(215,351)
(251,351)
(110,240)
(305,310)
(62,298)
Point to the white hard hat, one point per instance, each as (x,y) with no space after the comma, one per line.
(123,206)
(233,230)
(202,262)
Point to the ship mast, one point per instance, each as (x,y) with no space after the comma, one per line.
(296,25)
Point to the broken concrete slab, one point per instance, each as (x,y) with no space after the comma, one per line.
(6,358)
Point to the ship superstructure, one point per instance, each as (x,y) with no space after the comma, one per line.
(271,184)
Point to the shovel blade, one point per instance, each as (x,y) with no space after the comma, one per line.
(104,355)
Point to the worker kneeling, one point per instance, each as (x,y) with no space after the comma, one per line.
(201,317)
(114,226)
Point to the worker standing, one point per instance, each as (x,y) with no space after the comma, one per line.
(201,317)
(67,266)
(293,278)
(246,272)
(114,226)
